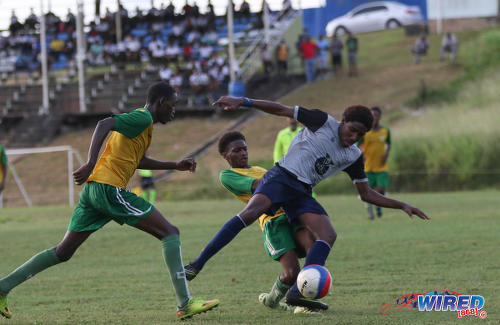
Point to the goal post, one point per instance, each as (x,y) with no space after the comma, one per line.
(71,153)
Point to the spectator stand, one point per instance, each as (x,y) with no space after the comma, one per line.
(117,74)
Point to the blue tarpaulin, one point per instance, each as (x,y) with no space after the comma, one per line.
(316,19)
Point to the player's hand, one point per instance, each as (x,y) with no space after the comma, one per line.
(229,103)
(81,174)
(411,210)
(186,164)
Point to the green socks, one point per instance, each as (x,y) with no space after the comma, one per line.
(152,195)
(277,293)
(36,264)
(173,257)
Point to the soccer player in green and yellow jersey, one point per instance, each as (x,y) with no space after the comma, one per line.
(284,138)
(147,185)
(3,171)
(376,145)
(105,198)
(284,241)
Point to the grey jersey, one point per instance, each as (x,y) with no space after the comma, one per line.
(316,152)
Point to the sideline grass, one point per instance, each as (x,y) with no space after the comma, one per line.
(119,277)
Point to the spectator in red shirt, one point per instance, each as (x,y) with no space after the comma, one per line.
(309,50)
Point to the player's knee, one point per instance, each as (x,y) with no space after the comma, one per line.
(250,214)
(168,231)
(63,255)
(174,230)
(333,237)
(329,237)
(289,275)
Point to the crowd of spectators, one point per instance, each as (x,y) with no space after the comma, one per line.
(180,44)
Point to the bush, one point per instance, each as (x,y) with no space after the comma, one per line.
(445,163)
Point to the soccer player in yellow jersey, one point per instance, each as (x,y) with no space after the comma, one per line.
(105,198)
(376,145)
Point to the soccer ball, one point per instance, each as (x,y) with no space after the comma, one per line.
(314,281)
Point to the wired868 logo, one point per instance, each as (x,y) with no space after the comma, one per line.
(464,305)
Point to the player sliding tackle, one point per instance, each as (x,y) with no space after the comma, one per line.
(105,198)
(284,241)
(323,148)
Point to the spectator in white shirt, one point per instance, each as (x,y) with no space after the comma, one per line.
(121,50)
(176,80)
(133,48)
(172,51)
(178,30)
(199,81)
(165,73)
(450,45)
(210,37)
(156,48)
(110,52)
(205,51)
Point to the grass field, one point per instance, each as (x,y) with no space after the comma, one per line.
(119,277)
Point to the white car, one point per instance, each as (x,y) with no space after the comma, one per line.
(374,16)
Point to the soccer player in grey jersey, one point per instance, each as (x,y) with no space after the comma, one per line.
(323,148)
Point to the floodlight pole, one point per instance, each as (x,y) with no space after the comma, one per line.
(439,20)
(232,73)
(80,57)
(43,58)
(265,17)
(118,23)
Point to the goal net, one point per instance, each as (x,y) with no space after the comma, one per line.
(40,175)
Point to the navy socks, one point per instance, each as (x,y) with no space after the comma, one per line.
(221,239)
(317,255)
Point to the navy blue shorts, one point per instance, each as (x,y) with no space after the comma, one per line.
(287,192)
(147,182)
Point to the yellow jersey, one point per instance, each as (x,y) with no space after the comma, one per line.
(239,181)
(374,146)
(125,148)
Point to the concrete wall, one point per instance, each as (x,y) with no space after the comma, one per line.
(454,25)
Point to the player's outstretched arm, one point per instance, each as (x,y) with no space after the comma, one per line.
(371,196)
(229,103)
(101,131)
(184,164)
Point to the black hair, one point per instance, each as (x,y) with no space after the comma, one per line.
(227,138)
(377,109)
(359,113)
(159,90)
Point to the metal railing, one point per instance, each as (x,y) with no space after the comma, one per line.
(250,60)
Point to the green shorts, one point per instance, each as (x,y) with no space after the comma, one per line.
(279,237)
(378,179)
(101,203)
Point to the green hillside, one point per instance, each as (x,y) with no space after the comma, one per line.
(388,78)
